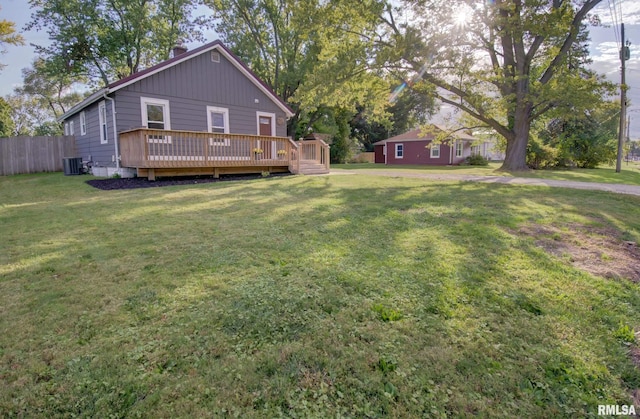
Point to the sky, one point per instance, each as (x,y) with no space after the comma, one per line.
(603,49)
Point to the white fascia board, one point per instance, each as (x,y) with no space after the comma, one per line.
(80,106)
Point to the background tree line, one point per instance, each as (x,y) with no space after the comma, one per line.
(359,71)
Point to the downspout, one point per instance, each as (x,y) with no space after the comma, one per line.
(451,151)
(115,130)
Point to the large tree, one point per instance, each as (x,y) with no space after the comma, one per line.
(312,53)
(49,86)
(504,62)
(45,94)
(28,116)
(9,36)
(106,40)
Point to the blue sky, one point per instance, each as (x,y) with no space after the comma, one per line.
(604,50)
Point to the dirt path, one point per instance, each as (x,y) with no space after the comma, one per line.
(608,187)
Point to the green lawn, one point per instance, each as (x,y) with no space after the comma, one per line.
(334,296)
(630,173)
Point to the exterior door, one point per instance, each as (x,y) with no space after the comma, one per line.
(265,128)
(265,125)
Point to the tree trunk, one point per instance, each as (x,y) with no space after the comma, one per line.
(516,155)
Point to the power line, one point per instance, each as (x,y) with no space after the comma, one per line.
(616,18)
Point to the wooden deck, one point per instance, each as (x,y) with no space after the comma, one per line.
(173,153)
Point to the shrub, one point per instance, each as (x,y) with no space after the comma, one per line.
(476,160)
(540,155)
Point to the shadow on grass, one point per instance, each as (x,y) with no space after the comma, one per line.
(334,296)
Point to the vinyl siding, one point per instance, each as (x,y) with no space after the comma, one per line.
(88,146)
(417,152)
(379,153)
(189,87)
(193,85)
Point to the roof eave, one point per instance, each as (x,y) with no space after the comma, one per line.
(86,102)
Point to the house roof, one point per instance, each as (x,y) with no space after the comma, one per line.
(217,45)
(418,134)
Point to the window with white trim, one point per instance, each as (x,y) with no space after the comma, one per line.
(435,151)
(459,149)
(399,151)
(218,122)
(71,129)
(66,128)
(102,119)
(83,123)
(155,115)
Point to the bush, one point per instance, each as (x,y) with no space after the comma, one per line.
(540,155)
(476,160)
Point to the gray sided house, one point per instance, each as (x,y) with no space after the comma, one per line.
(170,119)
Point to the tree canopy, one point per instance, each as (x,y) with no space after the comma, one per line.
(49,87)
(8,36)
(106,40)
(505,62)
(6,123)
(313,54)
(45,94)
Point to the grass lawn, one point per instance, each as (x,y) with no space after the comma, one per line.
(630,173)
(335,296)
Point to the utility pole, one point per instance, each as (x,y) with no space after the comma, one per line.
(624,56)
(628,140)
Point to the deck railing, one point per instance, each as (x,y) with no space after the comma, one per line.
(144,148)
(315,150)
(148,148)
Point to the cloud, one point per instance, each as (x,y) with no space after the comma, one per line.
(629,9)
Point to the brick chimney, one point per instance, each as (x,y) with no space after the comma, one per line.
(178,50)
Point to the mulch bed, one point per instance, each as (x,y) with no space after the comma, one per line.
(141,182)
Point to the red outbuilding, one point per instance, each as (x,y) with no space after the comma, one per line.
(431,145)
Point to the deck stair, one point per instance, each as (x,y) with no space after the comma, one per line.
(312,167)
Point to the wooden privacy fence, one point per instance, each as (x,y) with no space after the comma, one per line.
(364,157)
(35,154)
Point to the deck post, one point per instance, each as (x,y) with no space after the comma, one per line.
(151,174)
(216,172)
(205,153)
(143,138)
